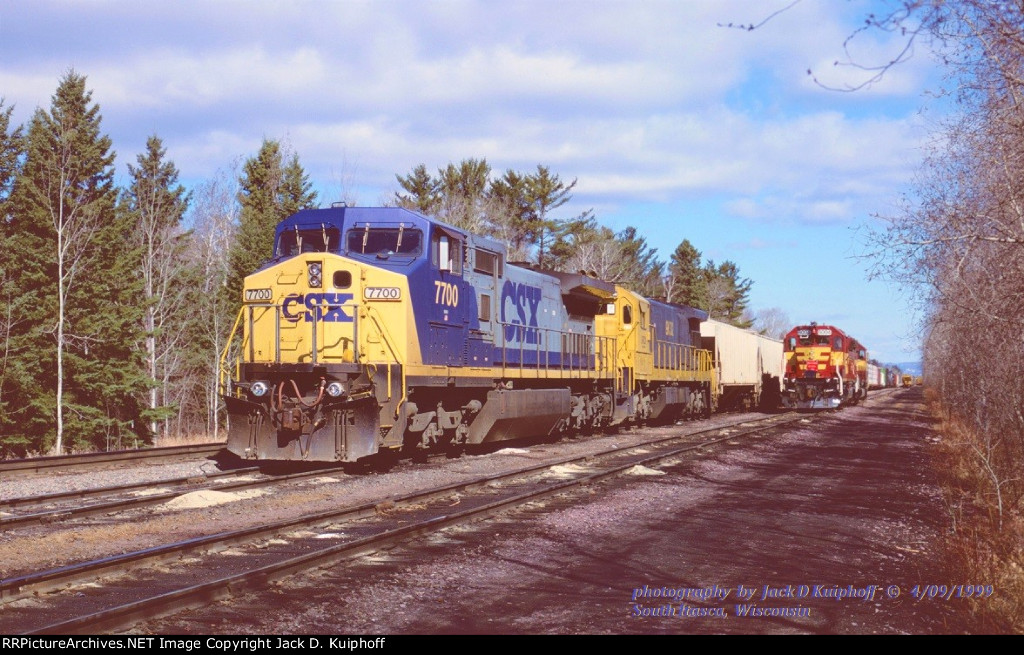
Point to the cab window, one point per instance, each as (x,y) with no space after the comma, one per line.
(385,241)
(297,241)
(446,254)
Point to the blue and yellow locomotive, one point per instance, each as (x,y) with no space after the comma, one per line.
(377,329)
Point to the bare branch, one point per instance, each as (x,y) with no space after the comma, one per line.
(751,26)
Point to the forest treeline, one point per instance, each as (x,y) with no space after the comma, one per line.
(958,245)
(115,303)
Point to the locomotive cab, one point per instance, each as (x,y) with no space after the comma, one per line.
(316,356)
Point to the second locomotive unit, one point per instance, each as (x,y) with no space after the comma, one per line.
(378,329)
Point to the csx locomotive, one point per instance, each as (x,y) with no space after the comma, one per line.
(824,368)
(377,329)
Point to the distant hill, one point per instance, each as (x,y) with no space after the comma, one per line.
(912,368)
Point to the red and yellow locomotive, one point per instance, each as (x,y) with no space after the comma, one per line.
(824,368)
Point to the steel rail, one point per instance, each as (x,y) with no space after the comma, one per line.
(204,592)
(60,463)
(125,504)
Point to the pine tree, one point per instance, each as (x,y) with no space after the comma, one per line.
(581,245)
(269,193)
(546,193)
(10,156)
(463,191)
(728,293)
(512,213)
(640,269)
(514,208)
(687,283)
(421,192)
(155,204)
(258,197)
(72,253)
(12,301)
(296,189)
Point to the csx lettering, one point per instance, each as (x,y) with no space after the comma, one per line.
(446,294)
(519,304)
(325,307)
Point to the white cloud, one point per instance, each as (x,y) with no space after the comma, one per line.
(640,101)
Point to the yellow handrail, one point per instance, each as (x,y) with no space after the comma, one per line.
(386,336)
(224,354)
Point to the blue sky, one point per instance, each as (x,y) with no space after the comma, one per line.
(669,121)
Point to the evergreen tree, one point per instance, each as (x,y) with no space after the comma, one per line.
(546,192)
(155,204)
(640,269)
(13,301)
(422,194)
(512,213)
(260,213)
(77,335)
(269,193)
(10,156)
(514,208)
(296,189)
(686,283)
(463,191)
(728,294)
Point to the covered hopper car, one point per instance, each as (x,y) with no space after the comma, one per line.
(748,366)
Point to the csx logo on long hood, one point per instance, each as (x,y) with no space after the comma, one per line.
(519,303)
(326,307)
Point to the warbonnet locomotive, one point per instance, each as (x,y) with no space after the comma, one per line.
(824,368)
(378,329)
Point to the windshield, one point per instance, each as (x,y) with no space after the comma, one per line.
(385,240)
(296,241)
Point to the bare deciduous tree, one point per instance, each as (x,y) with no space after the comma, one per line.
(214,214)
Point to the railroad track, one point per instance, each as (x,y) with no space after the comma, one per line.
(160,491)
(165,579)
(61,463)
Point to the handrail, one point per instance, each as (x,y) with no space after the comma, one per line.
(249,310)
(223,366)
(686,357)
(382,330)
(594,346)
(582,354)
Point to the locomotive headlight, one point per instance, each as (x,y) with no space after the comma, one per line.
(315,273)
(258,388)
(334,389)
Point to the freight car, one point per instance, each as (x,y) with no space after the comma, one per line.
(825,368)
(877,377)
(748,366)
(378,329)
